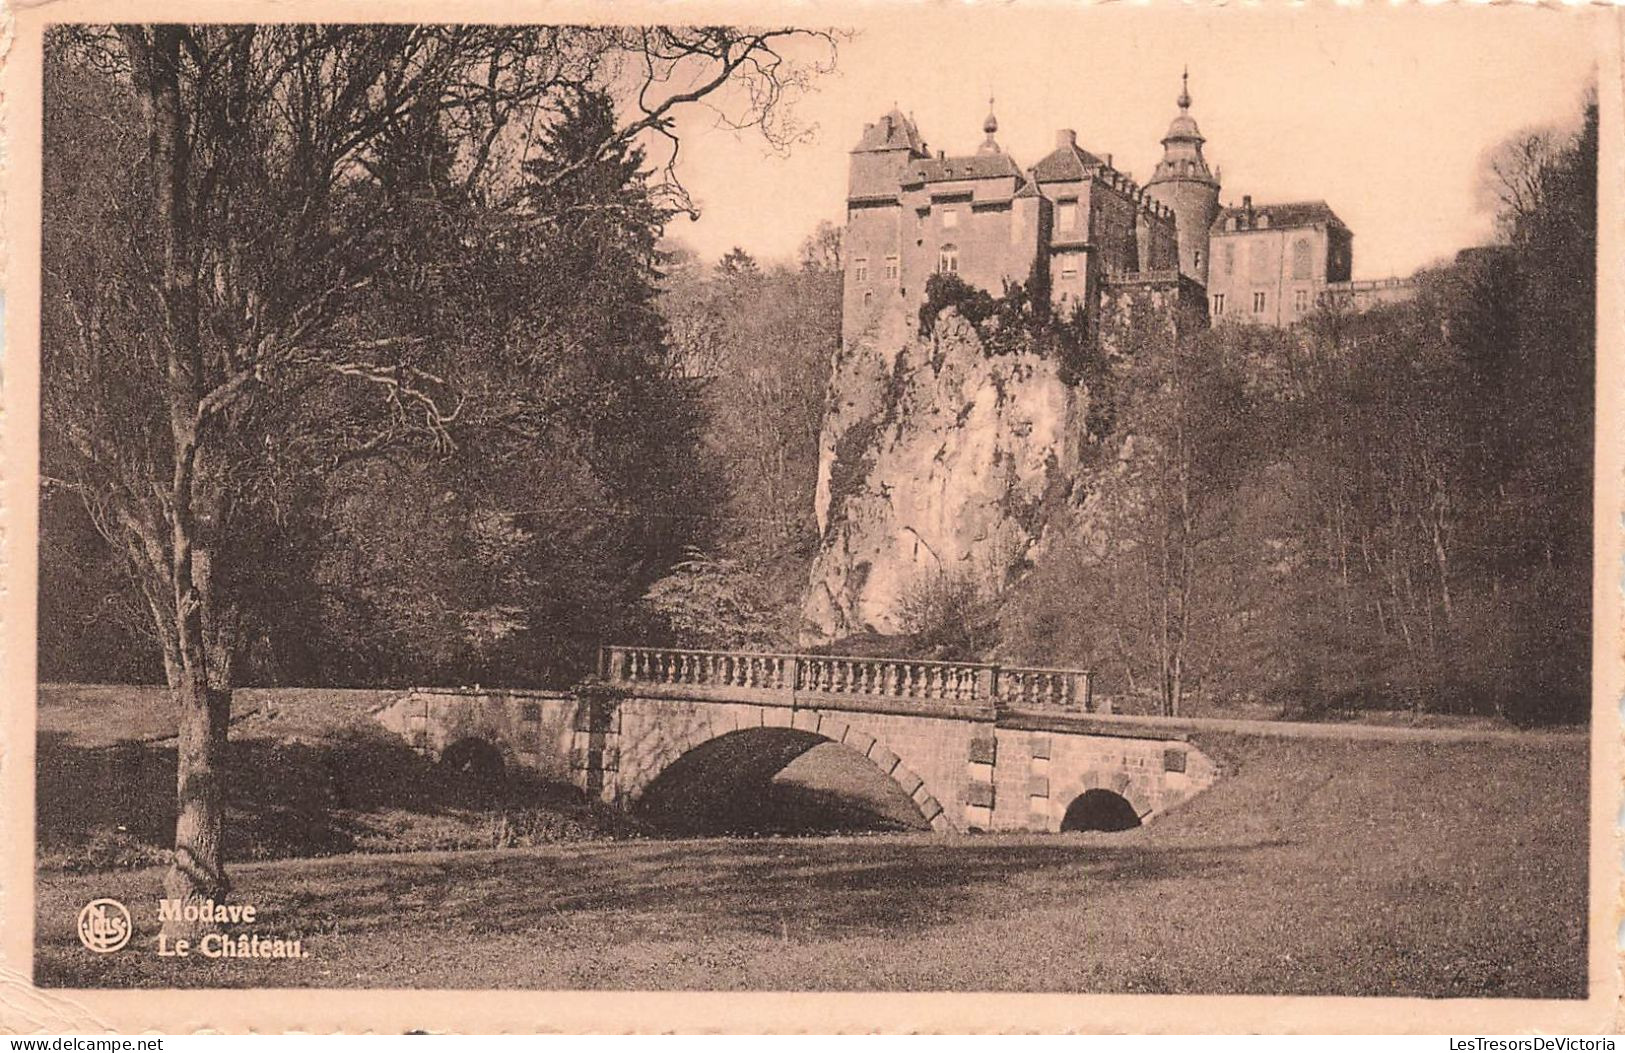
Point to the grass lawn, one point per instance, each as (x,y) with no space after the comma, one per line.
(1316,866)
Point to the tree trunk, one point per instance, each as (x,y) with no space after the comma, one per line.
(197,872)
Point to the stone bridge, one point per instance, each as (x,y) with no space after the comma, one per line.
(975,747)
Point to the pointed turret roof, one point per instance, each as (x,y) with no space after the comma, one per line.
(894,131)
(991,127)
(1182,146)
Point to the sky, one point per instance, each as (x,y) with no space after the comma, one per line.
(1386,114)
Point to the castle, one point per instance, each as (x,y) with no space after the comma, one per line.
(1087,226)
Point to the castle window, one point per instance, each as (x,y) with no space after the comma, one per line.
(1196,260)
(1229,260)
(1218,304)
(950,217)
(868,297)
(1258,302)
(891,268)
(1300,259)
(1066,215)
(1300,300)
(860,270)
(948,260)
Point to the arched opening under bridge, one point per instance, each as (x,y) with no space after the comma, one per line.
(1100,810)
(775,780)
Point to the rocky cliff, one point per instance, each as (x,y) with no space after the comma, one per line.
(938,459)
(947,456)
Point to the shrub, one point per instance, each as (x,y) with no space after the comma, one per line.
(948,617)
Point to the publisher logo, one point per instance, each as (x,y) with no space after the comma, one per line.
(104,926)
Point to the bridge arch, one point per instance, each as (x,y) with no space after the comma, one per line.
(821,726)
(1097,809)
(1109,798)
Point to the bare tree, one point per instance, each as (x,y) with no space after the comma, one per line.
(203,333)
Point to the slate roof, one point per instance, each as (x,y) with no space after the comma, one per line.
(891,132)
(978,166)
(1286,214)
(1066,164)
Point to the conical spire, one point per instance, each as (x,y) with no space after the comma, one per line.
(1185,89)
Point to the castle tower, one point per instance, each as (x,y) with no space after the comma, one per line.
(1184,183)
(873,245)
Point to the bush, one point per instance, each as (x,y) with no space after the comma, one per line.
(948,617)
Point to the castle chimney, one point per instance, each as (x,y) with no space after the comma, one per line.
(1066,137)
(1246,202)
(1108,160)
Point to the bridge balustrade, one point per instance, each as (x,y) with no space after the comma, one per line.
(746,674)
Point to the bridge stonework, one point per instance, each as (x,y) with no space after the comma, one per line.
(975,747)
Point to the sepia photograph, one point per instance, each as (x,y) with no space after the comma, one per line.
(1057,501)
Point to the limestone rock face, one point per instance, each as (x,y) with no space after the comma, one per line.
(936,458)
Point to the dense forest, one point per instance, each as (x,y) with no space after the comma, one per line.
(1381,510)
